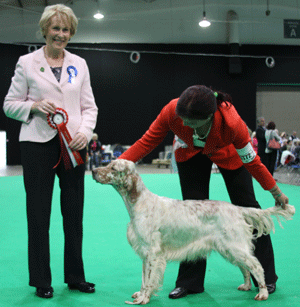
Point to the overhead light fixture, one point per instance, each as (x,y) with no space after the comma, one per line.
(204,23)
(98,15)
(268,12)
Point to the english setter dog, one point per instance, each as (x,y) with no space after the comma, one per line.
(163,229)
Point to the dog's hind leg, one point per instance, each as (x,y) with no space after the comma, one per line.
(246,286)
(153,272)
(253,265)
(258,272)
(243,258)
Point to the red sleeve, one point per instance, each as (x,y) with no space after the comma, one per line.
(256,168)
(261,173)
(151,139)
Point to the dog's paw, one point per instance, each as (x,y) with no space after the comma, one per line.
(141,299)
(262,295)
(245,287)
(136,294)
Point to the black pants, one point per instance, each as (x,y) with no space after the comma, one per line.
(38,160)
(194,177)
(271,160)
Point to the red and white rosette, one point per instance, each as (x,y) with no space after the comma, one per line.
(59,121)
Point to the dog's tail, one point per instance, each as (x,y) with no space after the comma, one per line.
(261,220)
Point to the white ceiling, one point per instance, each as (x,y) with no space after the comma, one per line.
(155,21)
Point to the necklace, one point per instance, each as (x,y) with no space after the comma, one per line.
(205,134)
(54,62)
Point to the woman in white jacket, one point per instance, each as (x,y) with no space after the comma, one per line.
(45,80)
(271,154)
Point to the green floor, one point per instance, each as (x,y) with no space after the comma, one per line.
(113,266)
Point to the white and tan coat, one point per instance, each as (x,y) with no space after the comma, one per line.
(163,229)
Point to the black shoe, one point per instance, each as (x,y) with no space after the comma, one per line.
(180,292)
(44,292)
(271,288)
(85,287)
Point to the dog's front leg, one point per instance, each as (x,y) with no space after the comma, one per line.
(137,294)
(153,271)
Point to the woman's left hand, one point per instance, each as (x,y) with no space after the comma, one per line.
(79,142)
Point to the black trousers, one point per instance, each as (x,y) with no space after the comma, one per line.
(271,160)
(38,160)
(194,177)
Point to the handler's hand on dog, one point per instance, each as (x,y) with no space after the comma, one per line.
(282,201)
(79,142)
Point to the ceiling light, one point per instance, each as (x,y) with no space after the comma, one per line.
(204,23)
(98,15)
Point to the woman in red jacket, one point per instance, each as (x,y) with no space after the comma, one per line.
(211,131)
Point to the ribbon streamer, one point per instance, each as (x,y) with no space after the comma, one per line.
(59,121)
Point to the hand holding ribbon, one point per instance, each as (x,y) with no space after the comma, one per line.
(58,121)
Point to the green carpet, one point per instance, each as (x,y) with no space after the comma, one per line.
(111,263)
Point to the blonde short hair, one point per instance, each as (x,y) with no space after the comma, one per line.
(58,10)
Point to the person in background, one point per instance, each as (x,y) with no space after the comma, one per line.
(293,136)
(287,157)
(261,140)
(283,138)
(254,141)
(118,150)
(271,154)
(295,149)
(42,83)
(209,130)
(95,151)
(283,147)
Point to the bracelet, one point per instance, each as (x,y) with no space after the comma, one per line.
(275,192)
(277,196)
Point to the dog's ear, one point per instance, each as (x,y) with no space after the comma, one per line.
(128,183)
(130,167)
(122,165)
(118,165)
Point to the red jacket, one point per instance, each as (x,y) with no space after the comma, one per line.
(228,134)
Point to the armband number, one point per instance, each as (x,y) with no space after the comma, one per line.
(247,154)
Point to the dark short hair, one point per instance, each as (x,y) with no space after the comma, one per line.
(196,102)
(271,126)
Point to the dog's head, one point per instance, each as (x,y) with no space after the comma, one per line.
(119,173)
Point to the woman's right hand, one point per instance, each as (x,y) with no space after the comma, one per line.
(45,107)
(281,200)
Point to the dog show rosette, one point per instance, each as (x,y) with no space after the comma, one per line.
(59,121)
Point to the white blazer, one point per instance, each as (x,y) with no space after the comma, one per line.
(34,81)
